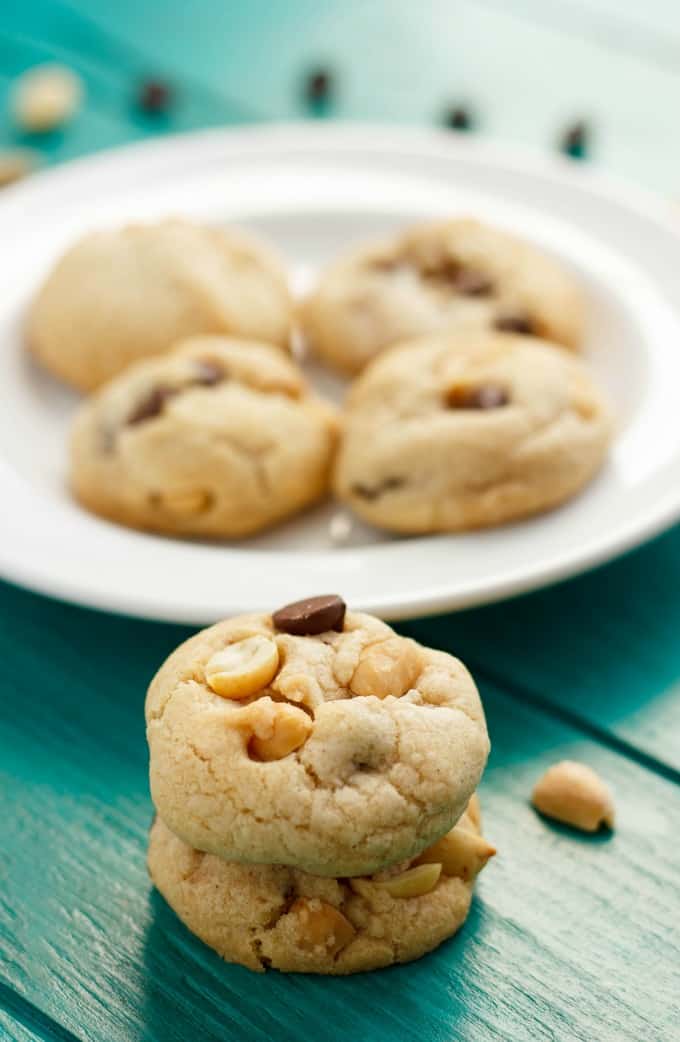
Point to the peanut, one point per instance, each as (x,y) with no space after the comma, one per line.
(189,501)
(321,926)
(288,729)
(46,97)
(16,164)
(473,811)
(460,852)
(389,667)
(573,793)
(414,882)
(243,668)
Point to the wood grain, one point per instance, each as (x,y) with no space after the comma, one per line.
(569,937)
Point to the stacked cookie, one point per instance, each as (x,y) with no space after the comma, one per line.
(469,405)
(314,777)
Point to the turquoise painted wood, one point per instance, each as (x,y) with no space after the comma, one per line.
(528,67)
(603,649)
(569,938)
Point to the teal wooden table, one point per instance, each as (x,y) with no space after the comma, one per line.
(570,937)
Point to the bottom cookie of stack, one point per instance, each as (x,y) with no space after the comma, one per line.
(273,916)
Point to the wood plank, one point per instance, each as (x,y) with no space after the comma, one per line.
(569,937)
(603,647)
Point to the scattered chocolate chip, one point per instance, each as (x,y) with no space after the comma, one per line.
(318,86)
(458,117)
(575,139)
(208,372)
(514,323)
(374,491)
(312,616)
(485,396)
(151,405)
(154,97)
(472,283)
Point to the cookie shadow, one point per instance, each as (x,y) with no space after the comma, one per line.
(191,993)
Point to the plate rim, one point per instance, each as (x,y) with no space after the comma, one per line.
(373,138)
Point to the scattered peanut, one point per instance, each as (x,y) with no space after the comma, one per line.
(414,882)
(460,852)
(45,97)
(16,164)
(186,502)
(322,926)
(574,794)
(389,667)
(288,730)
(243,668)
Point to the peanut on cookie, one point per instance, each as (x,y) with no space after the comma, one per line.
(278,916)
(314,737)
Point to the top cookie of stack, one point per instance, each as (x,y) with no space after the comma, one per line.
(388,740)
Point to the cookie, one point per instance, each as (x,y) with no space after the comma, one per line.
(265,916)
(455,431)
(450,274)
(220,437)
(118,296)
(337,752)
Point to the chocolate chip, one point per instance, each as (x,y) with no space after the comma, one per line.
(151,405)
(374,491)
(318,86)
(574,141)
(312,616)
(458,118)
(154,96)
(472,283)
(514,323)
(486,396)
(208,372)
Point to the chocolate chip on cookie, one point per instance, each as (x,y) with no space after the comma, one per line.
(208,372)
(471,283)
(312,616)
(151,405)
(485,396)
(374,491)
(515,322)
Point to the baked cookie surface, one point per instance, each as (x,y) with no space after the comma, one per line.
(273,916)
(219,437)
(342,751)
(118,296)
(456,431)
(449,274)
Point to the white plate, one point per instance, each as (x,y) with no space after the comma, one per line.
(313,190)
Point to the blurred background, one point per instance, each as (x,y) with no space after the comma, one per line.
(596,79)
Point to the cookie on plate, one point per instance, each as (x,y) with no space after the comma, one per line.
(219,437)
(121,295)
(453,432)
(437,276)
(312,738)
(274,916)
